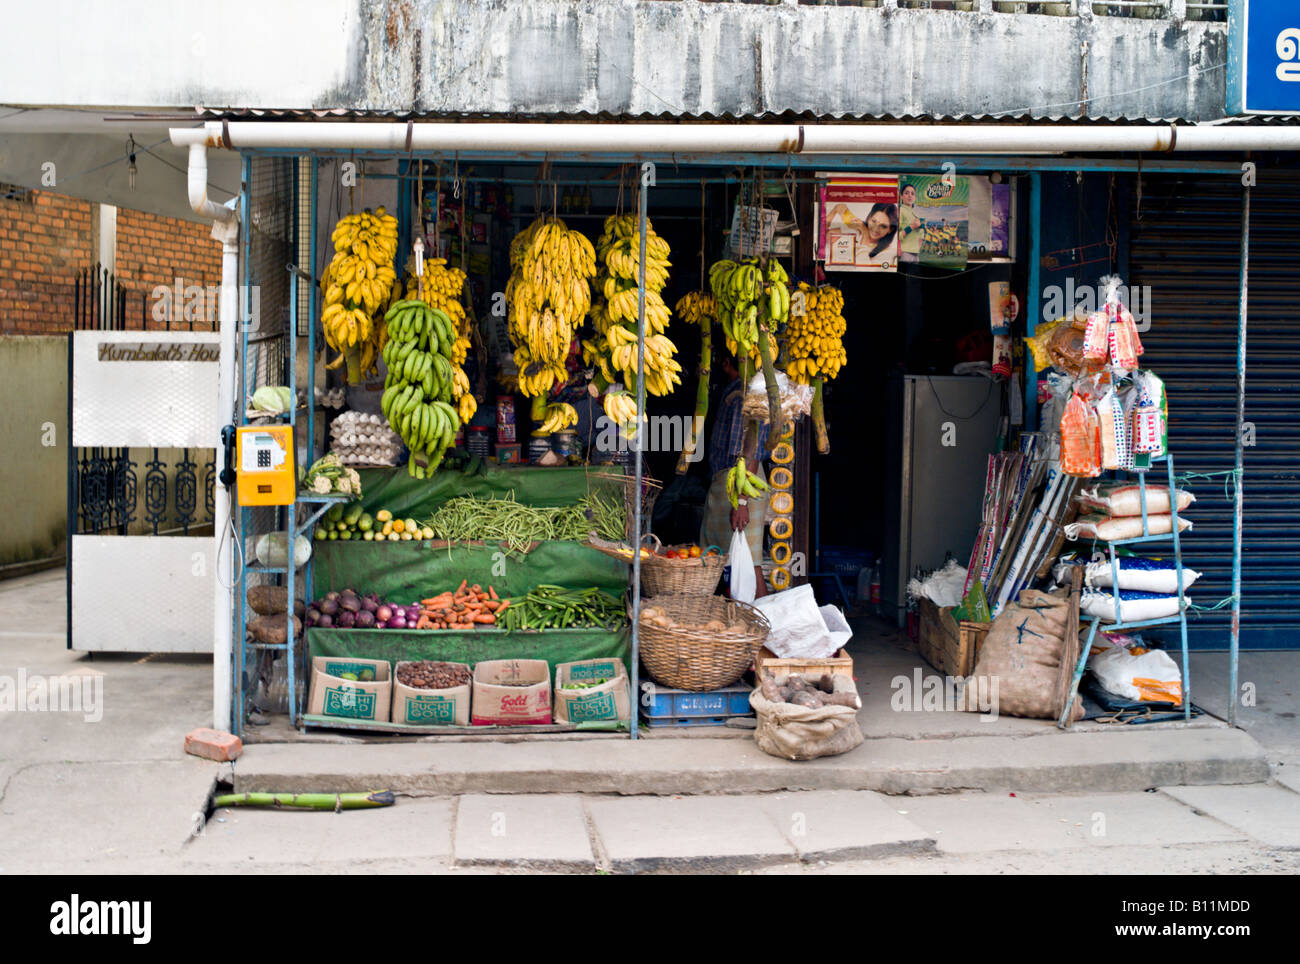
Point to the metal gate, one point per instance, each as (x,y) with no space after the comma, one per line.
(140,475)
(1185,244)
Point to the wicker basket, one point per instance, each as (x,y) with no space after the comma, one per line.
(692,659)
(661,576)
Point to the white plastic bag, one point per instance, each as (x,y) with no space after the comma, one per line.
(798,630)
(838,627)
(1151,676)
(743,583)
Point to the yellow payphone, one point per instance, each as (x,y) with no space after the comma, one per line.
(264,471)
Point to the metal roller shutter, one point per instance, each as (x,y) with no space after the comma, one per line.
(1185,239)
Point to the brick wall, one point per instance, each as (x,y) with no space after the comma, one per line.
(45,242)
(154,251)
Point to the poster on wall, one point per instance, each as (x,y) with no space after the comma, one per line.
(934,219)
(857,222)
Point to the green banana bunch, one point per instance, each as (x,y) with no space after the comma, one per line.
(418,386)
(750,295)
(742,483)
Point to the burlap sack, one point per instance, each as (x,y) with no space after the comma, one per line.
(799,733)
(1022,652)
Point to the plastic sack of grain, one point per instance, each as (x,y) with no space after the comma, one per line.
(1132,606)
(1135,572)
(1107,528)
(1123,499)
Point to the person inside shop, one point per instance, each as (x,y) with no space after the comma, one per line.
(730,437)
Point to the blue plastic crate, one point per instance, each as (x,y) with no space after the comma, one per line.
(670,707)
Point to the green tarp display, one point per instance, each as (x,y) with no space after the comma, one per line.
(472,646)
(406,572)
(395,490)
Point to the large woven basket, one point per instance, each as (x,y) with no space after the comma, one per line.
(686,657)
(661,576)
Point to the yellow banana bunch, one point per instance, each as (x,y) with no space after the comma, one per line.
(548,294)
(558,417)
(747,296)
(697,308)
(613,352)
(814,342)
(621,408)
(442,289)
(357,286)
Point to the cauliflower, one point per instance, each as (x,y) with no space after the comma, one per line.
(321,485)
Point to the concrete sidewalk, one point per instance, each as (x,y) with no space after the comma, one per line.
(118,794)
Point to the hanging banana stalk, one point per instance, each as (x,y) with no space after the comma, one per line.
(698,307)
(819,419)
(769,379)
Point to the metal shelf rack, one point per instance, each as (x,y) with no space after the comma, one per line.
(1119,625)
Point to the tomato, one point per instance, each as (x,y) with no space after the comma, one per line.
(670,554)
(695,552)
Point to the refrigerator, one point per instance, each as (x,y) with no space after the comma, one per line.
(939,433)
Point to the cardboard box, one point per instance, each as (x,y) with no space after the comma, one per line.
(331,695)
(446,707)
(608,701)
(511,692)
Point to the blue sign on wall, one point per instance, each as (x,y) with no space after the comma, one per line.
(1263,57)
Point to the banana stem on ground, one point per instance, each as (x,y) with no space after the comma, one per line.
(701,398)
(819,419)
(769,378)
(308,801)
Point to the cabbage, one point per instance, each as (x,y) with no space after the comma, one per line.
(271,550)
(268,398)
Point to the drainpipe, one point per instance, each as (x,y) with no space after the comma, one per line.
(225,228)
(737,138)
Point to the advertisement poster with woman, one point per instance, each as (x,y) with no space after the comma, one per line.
(934,219)
(857,222)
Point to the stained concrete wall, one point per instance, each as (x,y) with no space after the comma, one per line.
(622,57)
(34,440)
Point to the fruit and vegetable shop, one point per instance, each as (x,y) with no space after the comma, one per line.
(627,430)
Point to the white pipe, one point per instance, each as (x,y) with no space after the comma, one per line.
(225,228)
(227,232)
(735,138)
(198,187)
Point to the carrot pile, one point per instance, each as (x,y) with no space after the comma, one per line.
(467,607)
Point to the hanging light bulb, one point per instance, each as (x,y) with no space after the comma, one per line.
(419,256)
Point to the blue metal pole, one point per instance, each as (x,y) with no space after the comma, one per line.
(241,375)
(1237,475)
(1178,571)
(1033,297)
(636,449)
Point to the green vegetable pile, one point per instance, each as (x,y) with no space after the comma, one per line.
(553,607)
(516,526)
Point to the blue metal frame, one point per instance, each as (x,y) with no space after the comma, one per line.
(1032,296)
(1119,625)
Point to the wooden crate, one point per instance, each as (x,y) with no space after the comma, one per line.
(948,645)
(841,664)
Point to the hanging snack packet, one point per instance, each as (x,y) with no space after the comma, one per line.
(1080,439)
(1125,345)
(1096,338)
(1114,432)
(1150,419)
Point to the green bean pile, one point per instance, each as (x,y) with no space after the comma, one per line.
(517,526)
(553,607)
